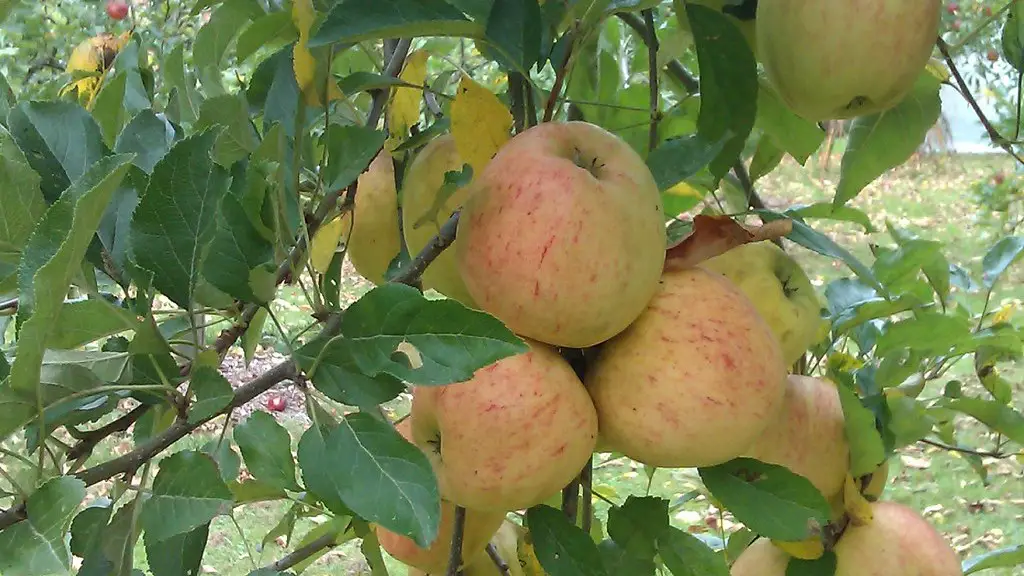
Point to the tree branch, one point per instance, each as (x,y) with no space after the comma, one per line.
(89,440)
(458,531)
(431,251)
(571,500)
(981,453)
(586,487)
(652,61)
(324,542)
(499,562)
(517,100)
(556,89)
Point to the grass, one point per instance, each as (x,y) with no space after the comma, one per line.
(930,197)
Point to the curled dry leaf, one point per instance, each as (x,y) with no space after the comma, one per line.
(716,235)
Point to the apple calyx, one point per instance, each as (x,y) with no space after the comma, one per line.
(590,166)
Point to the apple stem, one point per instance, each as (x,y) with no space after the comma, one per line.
(652,59)
(458,530)
(499,562)
(586,485)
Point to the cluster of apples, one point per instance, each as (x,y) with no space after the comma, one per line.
(562,237)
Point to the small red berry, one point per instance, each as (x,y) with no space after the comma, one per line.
(992,55)
(117,9)
(276,404)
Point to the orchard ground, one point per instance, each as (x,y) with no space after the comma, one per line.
(930,195)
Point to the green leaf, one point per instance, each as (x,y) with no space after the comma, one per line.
(450,341)
(87,527)
(909,421)
(867,450)
(562,548)
(365,464)
(1000,257)
(253,334)
(823,566)
(728,83)
(239,138)
(187,493)
(175,218)
(178,555)
(38,545)
(273,89)
(228,461)
(882,141)
(60,140)
(149,136)
(109,109)
(213,393)
(240,257)
(897,265)
(178,81)
(686,555)
(333,370)
(616,560)
(366,81)
(359,20)
(272,29)
(514,27)
(797,136)
(7,99)
(680,158)
(767,498)
(637,525)
(20,196)
(214,38)
(861,312)
(767,156)
(110,552)
(829,211)
(51,258)
(996,415)
(85,321)
(267,450)
(1008,557)
(350,149)
(927,332)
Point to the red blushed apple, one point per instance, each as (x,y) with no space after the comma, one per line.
(276,404)
(562,236)
(117,9)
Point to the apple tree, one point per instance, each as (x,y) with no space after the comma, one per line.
(556,203)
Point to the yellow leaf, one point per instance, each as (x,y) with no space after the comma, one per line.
(857,506)
(404,107)
(938,69)
(1004,314)
(305,63)
(480,123)
(843,362)
(809,549)
(685,190)
(325,242)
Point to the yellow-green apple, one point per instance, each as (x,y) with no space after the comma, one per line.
(424,212)
(514,434)
(694,380)
(563,235)
(779,289)
(898,542)
(809,436)
(479,528)
(374,239)
(833,59)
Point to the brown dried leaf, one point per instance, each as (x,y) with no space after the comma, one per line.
(716,235)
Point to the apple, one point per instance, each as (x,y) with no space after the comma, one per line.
(480,527)
(992,55)
(563,235)
(694,381)
(514,434)
(276,404)
(958,24)
(809,437)
(374,239)
(779,289)
(422,215)
(117,9)
(952,7)
(898,542)
(833,59)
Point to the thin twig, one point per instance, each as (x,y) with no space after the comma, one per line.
(499,562)
(458,531)
(652,61)
(586,487)
(517,100)
(89,440)
(531,106)
(325,542)
(981,453)
(571,500)
(556,89)
(440,242)
(675,69)
(993,134)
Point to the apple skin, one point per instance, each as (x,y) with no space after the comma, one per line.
(480,527)
(809,437)
(835,59)
(375,240)
(899,542)
(510,437)
(117,9)
(694,381)
(557,254)
(423,179)
(779,289)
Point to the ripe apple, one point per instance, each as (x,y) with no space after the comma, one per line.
(420,188)
(563,236)
(511,436)
(374,240)
(117,9)
(952,7)
(480,527)
(694,380)
(898,542)
(779,289)
(809,437)
(276,404)
(831,59)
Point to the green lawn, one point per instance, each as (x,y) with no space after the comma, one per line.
(930,197)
